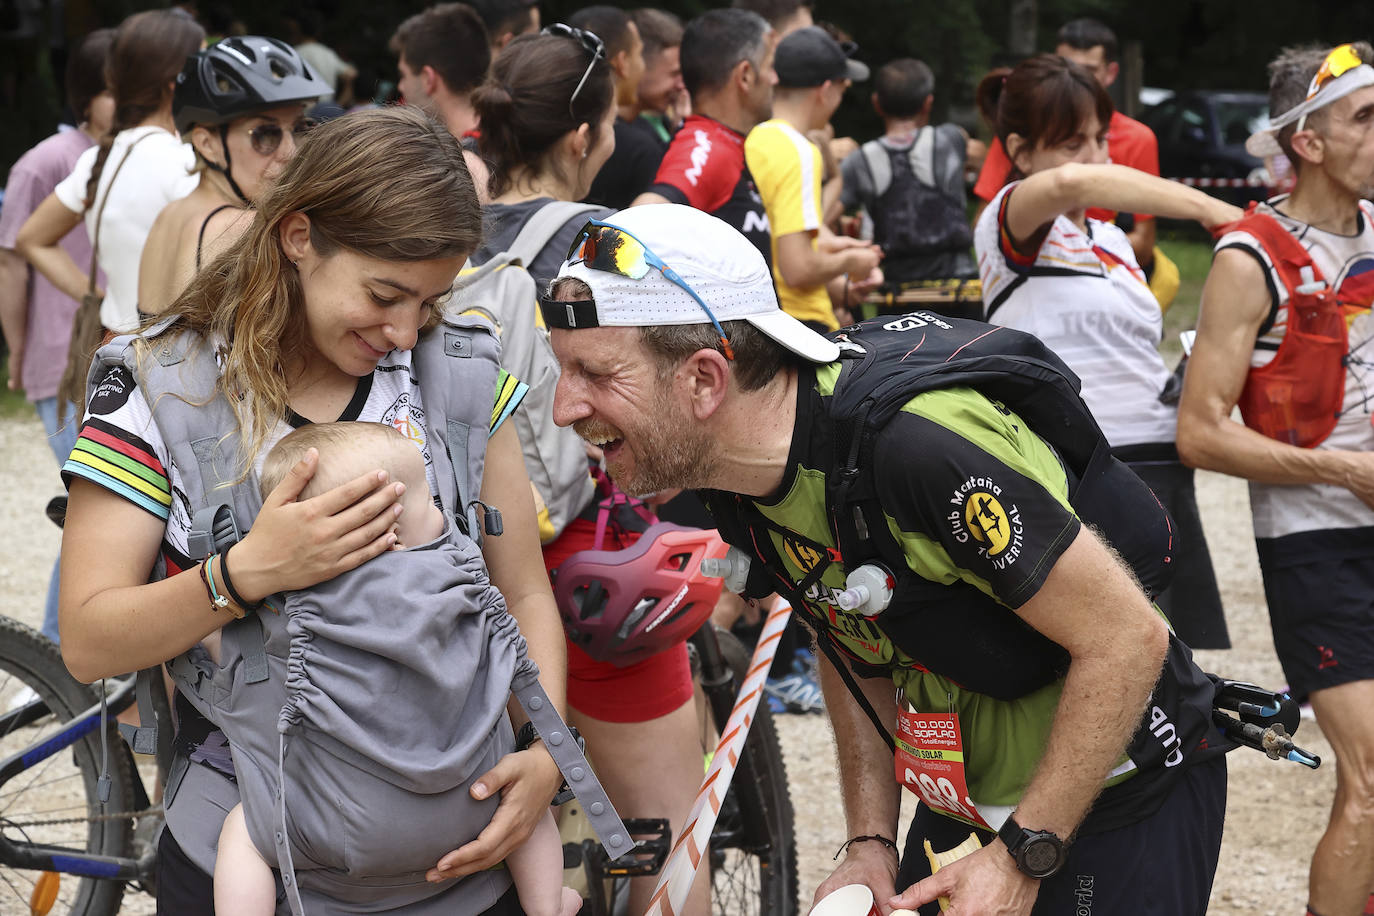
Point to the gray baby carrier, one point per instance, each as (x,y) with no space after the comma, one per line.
(354,773)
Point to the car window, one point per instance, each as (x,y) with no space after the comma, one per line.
(1237,120)
(1163,120)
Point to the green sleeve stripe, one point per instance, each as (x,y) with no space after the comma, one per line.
(964,412)
(510,391)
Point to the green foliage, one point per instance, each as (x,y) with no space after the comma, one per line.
(1194,260)
(12,403)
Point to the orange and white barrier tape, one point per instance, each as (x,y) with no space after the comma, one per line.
(684,861)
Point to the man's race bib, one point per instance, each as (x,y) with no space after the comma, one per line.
(929,761)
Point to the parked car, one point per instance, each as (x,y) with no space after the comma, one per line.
(1202,136)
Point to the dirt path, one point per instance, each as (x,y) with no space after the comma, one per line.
(1275,813)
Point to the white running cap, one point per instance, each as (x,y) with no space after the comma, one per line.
(715,259)
(1264,143)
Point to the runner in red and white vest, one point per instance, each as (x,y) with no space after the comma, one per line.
(1311,479)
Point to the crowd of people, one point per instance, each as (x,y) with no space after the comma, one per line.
(604,274)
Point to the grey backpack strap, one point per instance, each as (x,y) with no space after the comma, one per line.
(541,227)
(285,861)
(179,376)
(879,166)
(457,365)
(572,763)
(922,157)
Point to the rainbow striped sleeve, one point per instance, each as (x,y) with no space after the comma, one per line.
(510,391)
(119,461)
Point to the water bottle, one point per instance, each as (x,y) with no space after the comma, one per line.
(868,590)
(733,568)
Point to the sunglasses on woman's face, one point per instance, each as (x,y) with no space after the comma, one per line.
(266,137)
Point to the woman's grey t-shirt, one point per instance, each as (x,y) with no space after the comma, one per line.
(501,223)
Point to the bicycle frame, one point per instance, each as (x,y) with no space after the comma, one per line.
(717,681)
(41,857)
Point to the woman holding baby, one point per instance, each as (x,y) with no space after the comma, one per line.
(311,315)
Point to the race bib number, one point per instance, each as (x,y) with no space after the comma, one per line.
(930,763)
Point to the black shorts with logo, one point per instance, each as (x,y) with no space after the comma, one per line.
(1162,865)
(1320,589)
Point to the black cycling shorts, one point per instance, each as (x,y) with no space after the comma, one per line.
(1192,603)
(1160,866)
(1321,609)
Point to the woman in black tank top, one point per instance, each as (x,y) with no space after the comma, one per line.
(242,139)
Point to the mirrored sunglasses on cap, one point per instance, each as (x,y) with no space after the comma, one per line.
(601,246)
(266,137)
(1338,63)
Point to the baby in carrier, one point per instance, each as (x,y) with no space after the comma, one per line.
(375,783)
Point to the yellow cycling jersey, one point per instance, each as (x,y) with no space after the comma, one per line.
(787,170)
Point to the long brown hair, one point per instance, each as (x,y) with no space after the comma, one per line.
(148,52)
(388,184)
(1043,100)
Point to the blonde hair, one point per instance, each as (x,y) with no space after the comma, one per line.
(388,184)
(360,438)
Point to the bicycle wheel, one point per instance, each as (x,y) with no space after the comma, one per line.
(754,866)
(52,801)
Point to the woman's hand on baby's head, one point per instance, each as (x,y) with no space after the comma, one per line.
(296,543)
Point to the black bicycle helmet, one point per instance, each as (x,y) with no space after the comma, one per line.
(241,75)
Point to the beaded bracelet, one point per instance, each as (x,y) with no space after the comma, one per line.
(890,844)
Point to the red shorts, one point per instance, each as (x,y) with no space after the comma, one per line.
(640,692)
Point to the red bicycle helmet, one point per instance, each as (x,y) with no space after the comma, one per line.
(622,606)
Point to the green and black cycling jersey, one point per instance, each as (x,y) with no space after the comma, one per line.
(980,507)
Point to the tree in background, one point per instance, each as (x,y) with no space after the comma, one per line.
(1218,44)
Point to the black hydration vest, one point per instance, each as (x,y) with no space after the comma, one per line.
(885,363)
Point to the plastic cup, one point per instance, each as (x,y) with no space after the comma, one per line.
(850,900)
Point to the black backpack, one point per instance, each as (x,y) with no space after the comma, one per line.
(914,216)
(884,363)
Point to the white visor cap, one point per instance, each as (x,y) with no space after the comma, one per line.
(1265,143)
(715,260)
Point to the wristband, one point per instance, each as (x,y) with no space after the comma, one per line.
(218,602)
(890,844)
(229,585)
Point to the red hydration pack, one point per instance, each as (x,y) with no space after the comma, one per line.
(1296,398)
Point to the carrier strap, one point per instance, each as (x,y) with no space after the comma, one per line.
(572,763)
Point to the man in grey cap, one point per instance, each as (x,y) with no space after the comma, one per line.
(678,363)
(813,73)
(1288,342)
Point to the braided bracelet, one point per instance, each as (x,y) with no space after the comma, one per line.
(218,602)
(859,839)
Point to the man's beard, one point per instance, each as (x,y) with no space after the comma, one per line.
(671,451)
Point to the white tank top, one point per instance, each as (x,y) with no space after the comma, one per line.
(1347,264)
(1084,295)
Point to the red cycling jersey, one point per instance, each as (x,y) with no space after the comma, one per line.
(705,168)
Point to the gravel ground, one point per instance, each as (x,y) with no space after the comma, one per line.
(1276,810)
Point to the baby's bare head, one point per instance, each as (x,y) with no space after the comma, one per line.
(349,450)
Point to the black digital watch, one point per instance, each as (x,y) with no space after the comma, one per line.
(1038,853)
